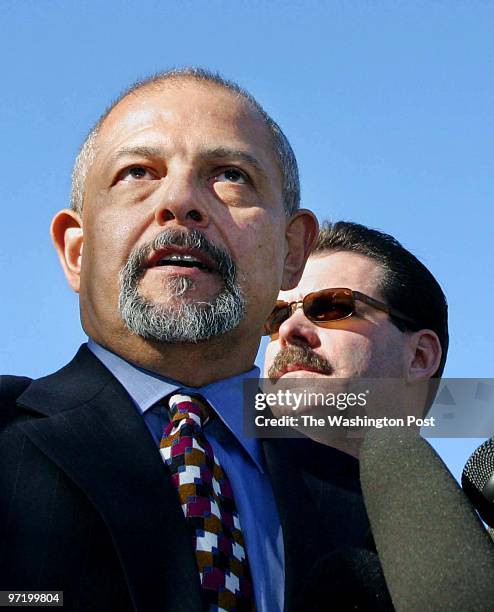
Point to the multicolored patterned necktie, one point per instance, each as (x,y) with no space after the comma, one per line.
(207,501)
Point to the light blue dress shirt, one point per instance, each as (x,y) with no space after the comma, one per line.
(241,458)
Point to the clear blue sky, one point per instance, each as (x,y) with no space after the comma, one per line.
(388,105)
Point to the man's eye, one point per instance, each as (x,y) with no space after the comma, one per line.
(231,175)
(136,173)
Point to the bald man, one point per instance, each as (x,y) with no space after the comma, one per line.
(127,480)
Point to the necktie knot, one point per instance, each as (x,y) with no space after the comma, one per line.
(189,408)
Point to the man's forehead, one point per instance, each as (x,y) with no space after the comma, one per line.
(334,269)
(204,116)
(190,96)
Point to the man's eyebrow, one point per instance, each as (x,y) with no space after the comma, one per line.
(231,154)
(139,150)
(217,153)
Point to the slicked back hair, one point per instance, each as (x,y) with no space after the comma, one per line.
(282,150)
(407,285)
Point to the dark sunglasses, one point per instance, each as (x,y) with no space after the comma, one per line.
(326,306)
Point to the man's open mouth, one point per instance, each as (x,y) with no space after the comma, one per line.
(184,258)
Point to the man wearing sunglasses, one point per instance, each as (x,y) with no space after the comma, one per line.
(364,308)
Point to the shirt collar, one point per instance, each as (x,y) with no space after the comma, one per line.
(146,388)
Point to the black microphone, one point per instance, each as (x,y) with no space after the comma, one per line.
(346,580)
(435,553)
(477,480)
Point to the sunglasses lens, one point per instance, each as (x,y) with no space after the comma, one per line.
(319,307)
(279,314)
(328,305)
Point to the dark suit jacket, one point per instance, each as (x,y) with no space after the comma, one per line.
(87,505)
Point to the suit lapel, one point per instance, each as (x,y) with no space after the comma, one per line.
(93,433)
(321,509)
(295,508)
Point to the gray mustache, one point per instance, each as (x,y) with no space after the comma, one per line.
(193,239)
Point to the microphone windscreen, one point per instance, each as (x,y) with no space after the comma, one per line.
(346,580)
(477,480)
(435,553)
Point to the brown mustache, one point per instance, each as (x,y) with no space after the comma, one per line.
(300,355)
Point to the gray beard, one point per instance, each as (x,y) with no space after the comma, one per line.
(180,320)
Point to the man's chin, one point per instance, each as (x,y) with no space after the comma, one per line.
(190,297)
(164,287)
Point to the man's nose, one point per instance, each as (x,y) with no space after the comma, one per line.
(297,330)
(180,198)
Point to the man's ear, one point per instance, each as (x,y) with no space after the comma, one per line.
(424,355)
(67,236)
(301,235)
